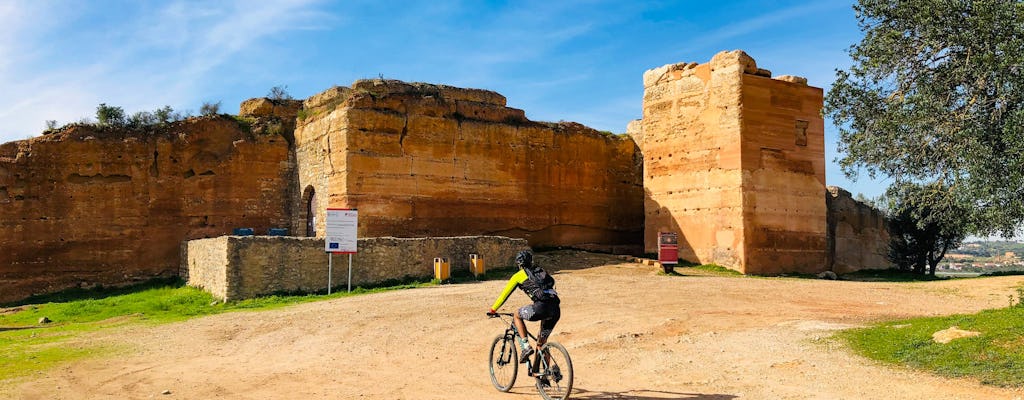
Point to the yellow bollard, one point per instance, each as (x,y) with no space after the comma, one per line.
(476,265)
(442,269)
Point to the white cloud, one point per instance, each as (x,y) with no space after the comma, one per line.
(152,58)
(718,37)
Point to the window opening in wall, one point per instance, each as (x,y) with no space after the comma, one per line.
(801,132)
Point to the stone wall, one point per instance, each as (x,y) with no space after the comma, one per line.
(239,267)
(422,160)
(87,206)
(734,162)
(858,237)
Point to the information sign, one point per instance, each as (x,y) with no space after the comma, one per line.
(341,230)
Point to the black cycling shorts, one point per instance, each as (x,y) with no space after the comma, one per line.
(547,312)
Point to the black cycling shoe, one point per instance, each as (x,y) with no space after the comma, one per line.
(526,355)
(544,382)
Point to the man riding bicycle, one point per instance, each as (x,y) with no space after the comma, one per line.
(539,286)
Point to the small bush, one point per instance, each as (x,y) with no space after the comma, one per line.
(110,115)
(208,108)
(279,93)
(141,119)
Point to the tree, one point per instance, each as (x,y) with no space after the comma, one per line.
(279,93)
(209,108)
(109,115)
(142,119)
(925,221)
(936,94)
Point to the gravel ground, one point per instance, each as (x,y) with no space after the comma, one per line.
(632,334)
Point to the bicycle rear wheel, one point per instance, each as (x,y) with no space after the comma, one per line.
(556,370)
(503,363)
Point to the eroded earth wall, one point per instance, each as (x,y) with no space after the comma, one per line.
(783,139)
(89,206)
(431,160)
(858,235)
(734,162)
(691,149)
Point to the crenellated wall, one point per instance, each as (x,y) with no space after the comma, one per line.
(88,206)
(431,160)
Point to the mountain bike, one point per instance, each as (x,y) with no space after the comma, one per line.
(551,367)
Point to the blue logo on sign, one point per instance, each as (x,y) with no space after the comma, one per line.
(333,245)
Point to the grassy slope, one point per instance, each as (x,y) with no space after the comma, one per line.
(996,357)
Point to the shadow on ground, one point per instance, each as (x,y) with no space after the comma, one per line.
(580,393)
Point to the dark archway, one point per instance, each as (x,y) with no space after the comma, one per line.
(309,198)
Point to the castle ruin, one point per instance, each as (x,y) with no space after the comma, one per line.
(725,155)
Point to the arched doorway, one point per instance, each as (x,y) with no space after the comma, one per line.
(309,197)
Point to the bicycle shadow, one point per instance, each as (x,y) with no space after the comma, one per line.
(580,393)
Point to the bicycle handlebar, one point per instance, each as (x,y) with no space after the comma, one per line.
(497,314)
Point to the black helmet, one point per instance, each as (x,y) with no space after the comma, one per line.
(524,259)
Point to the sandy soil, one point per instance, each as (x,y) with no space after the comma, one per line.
(632,334)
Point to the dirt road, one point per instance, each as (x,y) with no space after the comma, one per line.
(633,334)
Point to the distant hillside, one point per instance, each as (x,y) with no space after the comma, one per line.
(991,248)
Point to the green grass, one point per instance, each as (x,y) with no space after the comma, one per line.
(28,347)
(889,275)
(717,269)
(996,357)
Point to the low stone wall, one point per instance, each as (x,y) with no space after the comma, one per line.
(240,267)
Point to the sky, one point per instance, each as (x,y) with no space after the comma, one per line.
(572,60)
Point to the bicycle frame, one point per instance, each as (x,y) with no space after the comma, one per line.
(512,335)
(541,366)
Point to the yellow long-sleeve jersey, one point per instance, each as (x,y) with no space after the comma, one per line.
(511,286)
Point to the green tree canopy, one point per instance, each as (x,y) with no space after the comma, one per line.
(925,221)
(936,95)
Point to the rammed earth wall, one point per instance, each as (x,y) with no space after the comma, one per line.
(103,206)
(432,160)
(734,162)
(240,267)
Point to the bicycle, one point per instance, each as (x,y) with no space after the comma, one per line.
(551,367)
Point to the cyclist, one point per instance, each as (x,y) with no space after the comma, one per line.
(539,286)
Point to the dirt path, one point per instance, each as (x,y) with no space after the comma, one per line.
(633,334)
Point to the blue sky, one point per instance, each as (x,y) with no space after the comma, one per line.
(569,60)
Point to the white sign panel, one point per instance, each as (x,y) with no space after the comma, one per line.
(341,230)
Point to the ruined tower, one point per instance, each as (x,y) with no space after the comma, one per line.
(734,162)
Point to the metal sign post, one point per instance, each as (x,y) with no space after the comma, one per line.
(341,226)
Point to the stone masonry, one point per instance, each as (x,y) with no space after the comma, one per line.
(240,267)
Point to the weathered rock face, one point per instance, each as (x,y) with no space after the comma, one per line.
(734,162)
(264,107)
(96,206)
(430,160)
(858,235)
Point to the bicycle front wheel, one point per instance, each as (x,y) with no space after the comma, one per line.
(503,363)
(554,378)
